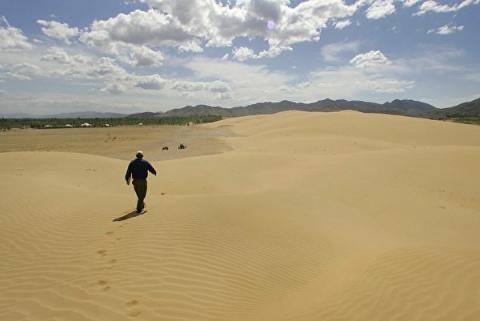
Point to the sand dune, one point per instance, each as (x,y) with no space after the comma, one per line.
(308,216)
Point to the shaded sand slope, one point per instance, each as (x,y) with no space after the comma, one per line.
(311,216)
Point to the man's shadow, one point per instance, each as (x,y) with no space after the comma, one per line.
(130,215)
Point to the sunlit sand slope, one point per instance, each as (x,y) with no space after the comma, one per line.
(311,216)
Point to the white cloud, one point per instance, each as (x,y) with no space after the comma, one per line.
(239,74)
(370,73)
(191,46)
(334,51)
(139,28)
(410,3)
(59,55)
(225,96)
(385,85)
(347,82)
(247,82)
(371,59)
(114,89)
(150,82)
(138,39)
(380,9)
(433,6)
(430,5)
(49,103)
(436,59)
(83,66)
(273,52)
(342,24)
(189,25)
(243,53)
(103,67)
(188,86)
(446,29)
(58,30)
(218,87)
(24,71)
(140,56)
(116,80)
(11,38)
(127,36)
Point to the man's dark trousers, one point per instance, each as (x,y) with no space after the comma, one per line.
(140,186)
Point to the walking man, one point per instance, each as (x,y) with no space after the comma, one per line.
(139,168)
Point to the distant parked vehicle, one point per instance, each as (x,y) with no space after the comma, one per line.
(68,126)
(181,146)
(140,124)
(86,125)
(106,125)
(47,126)
(165,148)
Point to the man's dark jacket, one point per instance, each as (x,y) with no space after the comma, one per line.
(139,168)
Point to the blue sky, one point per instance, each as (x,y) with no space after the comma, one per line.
(127,56)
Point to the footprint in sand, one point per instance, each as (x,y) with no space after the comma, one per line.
(109,233)
(134,313)
(104,285)
(112,261)
(132,304)
(102,252)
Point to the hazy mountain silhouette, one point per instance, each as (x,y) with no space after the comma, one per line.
(398,107)
(468,109)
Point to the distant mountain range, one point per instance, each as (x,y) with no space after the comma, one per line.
(469,109)
(396,107)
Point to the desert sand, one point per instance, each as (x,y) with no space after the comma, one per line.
(303,216)
(118,142)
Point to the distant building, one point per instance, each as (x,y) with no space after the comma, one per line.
(86,125)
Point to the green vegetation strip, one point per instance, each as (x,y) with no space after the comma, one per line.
(49,123)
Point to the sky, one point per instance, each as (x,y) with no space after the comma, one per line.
(60,56)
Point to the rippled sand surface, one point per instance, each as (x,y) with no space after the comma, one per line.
(300,216)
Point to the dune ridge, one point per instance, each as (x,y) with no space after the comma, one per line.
(307,216)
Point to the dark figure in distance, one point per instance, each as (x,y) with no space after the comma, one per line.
(139,168)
